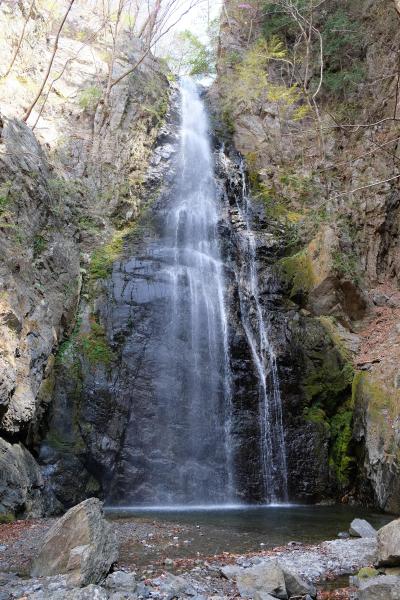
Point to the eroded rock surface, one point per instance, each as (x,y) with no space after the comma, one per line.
(81,545)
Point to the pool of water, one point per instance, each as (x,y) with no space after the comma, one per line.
(214,530)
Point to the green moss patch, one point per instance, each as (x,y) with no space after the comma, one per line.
(6,518)
(298,272)
(104,257)
(94,345)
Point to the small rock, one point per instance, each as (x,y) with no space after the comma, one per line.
(121,581)
(380,299)
(231,571)
(361,528)
(343,535)
(168,562)
(172,586)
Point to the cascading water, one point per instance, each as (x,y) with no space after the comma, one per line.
(197,312)
(177,447)
(272,438)
(184,437)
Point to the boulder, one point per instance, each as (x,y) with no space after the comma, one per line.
(81,544)
(361,528)
(389,544)
(296,586)
(380,588)
(267,578)
(22,487)
(263,596)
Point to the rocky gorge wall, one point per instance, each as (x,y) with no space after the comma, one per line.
(69,192)
(335,301)
(82,201)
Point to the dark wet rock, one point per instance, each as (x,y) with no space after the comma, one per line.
(81,544)
(361,528)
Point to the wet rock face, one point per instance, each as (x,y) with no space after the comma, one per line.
(104,425)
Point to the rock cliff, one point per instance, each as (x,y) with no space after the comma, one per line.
(69,192)
(322,158)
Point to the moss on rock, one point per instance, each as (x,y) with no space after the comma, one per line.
(298,272)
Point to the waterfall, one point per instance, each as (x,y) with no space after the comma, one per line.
(271,432)
(183,441)
(198,314)
(177,447)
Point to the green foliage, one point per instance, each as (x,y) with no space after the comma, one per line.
(156,99)
(94,345)
(39,245)
(197,58)
(249,85)
(339,81)
(6,518)
(103,258)
(340,457)
(90,97)
(5,200)
(367,572)
(342,38)
(278,22)
(328,383)
(346,264)
(298,272)
(315,414)
(343,47)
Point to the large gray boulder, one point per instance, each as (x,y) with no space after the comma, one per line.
(361,528)
(81,544)
(267,578)
(389,544)
(380,588)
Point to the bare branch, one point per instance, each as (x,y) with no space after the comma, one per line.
(46,76)
(21,39)
(364,187)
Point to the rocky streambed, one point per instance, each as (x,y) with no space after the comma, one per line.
(69,558)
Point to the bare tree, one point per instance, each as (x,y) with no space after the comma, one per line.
(50,64)
(21,39)
(114,35)
(158,32)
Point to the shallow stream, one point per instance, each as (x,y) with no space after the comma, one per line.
(188,533)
